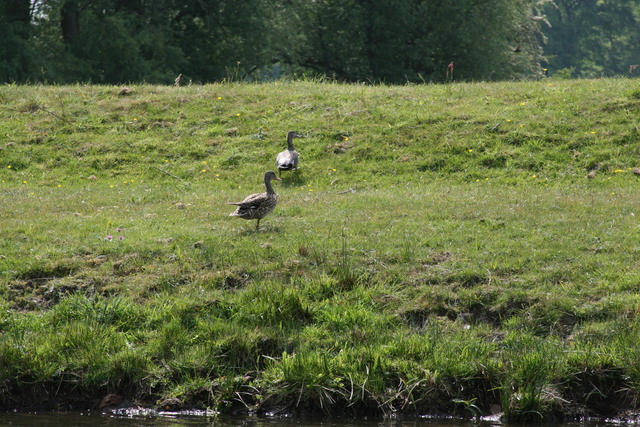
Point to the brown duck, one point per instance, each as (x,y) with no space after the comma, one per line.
(259,205)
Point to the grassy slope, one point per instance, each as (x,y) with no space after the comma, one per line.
(441,248)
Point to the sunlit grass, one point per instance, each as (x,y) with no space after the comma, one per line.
(440,248)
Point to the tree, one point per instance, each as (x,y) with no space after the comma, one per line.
(222,39)
(19,58)
(414,40)
(118,41)
(593,37)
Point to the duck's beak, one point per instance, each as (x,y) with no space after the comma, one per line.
(277,179)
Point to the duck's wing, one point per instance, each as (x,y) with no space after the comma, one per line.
(251,202)
(283,159)
(287,160)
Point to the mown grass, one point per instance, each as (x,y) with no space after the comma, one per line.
(441,249)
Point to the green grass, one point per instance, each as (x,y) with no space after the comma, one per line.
(441,248)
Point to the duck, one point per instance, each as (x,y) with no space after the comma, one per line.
(258,205)
(288,159)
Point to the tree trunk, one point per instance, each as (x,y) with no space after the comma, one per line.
(70,21)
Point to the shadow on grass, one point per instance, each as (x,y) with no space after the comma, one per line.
(292,179)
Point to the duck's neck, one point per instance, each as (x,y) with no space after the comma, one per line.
(290,143)
(267,183)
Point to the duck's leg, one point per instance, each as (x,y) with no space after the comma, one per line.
(258,224)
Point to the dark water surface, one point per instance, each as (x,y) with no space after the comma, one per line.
(97,419)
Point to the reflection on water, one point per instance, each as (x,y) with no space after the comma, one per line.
(91,419)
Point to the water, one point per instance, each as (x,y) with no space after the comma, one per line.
(97,419)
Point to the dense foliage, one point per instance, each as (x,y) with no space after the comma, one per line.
(591,38)
(400,40)
(397,41)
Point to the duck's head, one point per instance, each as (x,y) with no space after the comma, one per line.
(271,175)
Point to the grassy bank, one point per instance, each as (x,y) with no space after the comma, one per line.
(441,249)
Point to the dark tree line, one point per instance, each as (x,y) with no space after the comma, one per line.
(394,41)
